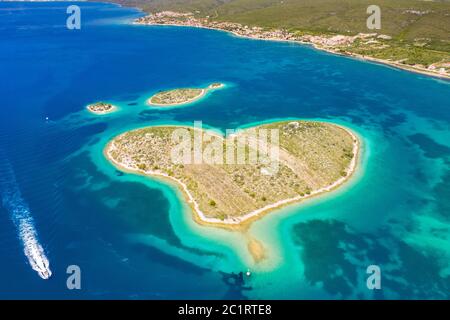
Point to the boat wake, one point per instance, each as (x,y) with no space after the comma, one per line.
(20,214)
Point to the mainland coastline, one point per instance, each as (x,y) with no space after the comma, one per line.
(241,222)
(332,44)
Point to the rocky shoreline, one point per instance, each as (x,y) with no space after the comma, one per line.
(153,160)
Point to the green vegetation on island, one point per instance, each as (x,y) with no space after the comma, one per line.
(314,157)
(101,108)
(180,96)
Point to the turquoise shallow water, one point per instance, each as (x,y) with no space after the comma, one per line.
(133,238)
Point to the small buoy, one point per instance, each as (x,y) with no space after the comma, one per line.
(248,273)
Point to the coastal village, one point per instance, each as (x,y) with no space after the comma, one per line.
(351,45)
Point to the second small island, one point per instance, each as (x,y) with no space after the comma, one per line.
(181,96)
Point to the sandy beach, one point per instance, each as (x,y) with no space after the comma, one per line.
(394,64)
(243,222)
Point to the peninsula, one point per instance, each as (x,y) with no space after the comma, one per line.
(313,158)
(177,97)
(101,108)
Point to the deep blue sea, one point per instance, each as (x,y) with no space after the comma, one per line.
(133,237)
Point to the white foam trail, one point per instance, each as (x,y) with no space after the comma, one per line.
(13,201)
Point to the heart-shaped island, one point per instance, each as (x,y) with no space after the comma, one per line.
(232,180)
